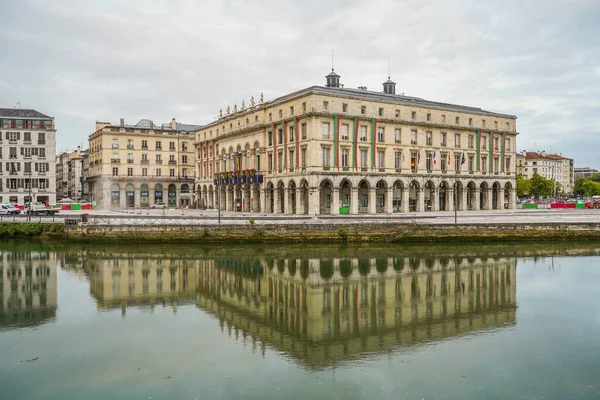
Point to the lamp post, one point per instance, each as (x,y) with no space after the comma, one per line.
(29,213)
(455,202)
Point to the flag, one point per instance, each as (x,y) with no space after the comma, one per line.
(462,160)
(419,157)
(434,159)
(449,159)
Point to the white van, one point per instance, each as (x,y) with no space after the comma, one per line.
(9,209)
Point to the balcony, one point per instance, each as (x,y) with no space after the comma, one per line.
(115,146)
(129,161)
(159,161)
(172,162)
(145,161)
(130,146)
(115,160)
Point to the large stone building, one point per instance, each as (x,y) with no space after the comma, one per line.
(331,150)
(585,172)
(550,166)
(139,165)
(27,151)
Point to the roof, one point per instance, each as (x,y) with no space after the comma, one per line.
(22,113)
(531,155)
(333,74)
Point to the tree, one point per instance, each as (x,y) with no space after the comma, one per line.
(586,187)
(523,186)
(540,186)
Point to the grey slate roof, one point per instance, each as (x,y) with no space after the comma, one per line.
(22,113)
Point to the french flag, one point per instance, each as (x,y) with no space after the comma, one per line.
(434,159)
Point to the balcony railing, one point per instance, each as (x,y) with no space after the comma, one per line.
(145,161)
(115,161)
(129,161)
(159,161)
(172,162)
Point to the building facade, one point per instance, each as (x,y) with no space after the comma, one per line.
(585,172)
(550,166)
(332,150)
(27,151)
(61,175)
(139,165)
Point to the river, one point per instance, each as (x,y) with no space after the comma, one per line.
(273,322)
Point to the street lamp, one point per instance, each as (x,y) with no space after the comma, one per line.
(455,202)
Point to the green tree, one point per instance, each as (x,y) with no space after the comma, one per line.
(586,187)
(523,186)
(540,186)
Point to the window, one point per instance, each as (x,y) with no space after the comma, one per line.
(279,160)
(280,114)
(344,107)
(507,144)
(429,139)
(325,130)
(457,120)
(380,159)
(270,138)
(292,160)
(413,115)
(457,159)
(495,124)
(397,160)
(27,136)
(345,158)
(144,171)
(456,140)
(27,167)
(292,134)
(172,159)
(496,164)
(429,162)
(270,117)
(381,134)
(397,135)
(43,184)
(303,129)
(443,161)
(345,130)
(381,111)
(184,159)
(363,159)
(171,146)
(270,162)
(484,164)
(291,110)
(172,172)
(280,136)
(470,165)
(507,165)
(470,141)
(428,116)
(158,172)
(115,143)
(158,145)
(484,142)
(158,159)
(507,126)
(363,110)
(303,158)
(12,184)
(27,151)
(42,153)
(130,144)
(42,167)
(41,138)
(397,113)
(413,136)
(144,144)
(326,151)
(363,133)
(115,171)
(496,142)
(444,118)
(470,121)
(414,161)
(444,141)
(483,123)
(129,171)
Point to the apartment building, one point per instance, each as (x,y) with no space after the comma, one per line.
(585,172)
(331,150)
(27,151)
(142,164)
(550,166)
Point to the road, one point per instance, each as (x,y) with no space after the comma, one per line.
(204,217)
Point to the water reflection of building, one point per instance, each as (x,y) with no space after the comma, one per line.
(28,289)
(144,281)
(326,311)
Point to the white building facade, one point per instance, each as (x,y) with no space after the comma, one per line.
(550,166)
(27,156)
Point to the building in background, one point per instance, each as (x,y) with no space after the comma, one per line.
(27,152)
(585,172)
(520,164)
(332,150)
(70,174)
(142,164)
(61,175)
(550,166)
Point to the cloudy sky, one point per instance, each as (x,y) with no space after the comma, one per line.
(82,61)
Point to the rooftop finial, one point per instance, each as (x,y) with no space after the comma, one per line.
(332,59)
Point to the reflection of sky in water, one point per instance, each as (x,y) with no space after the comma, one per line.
(553,351)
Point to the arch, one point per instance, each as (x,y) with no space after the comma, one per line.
(326,269)
(303,196)
(115,195)
(472,193)
(444,200)
(270,198)
(508,195)
(291,206)
(483,196)
(381,196)
(429,196)
(144,195)
(172,195)
(280,198)
(184,195)
(397,195)
(345,268)
(158,193)
(325,196)
(497,202)
(130,195)
(363,196)
(459,196)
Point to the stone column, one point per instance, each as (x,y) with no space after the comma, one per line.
(286,201)
(354,200)
(263,201)
(276,202)
(512,199)
(296,202)
(435,200)
(489,199)
(228,196)
(405,199)
(335,201)
(477,200)
(464,200)
(501,198)
(389,200)
(372,209)
(313,201)
(421,201)
(122,198)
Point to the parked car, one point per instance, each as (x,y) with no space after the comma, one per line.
(160,204)
(42,209)
(9,209)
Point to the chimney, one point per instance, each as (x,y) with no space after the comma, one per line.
(173,124)
(122,122)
